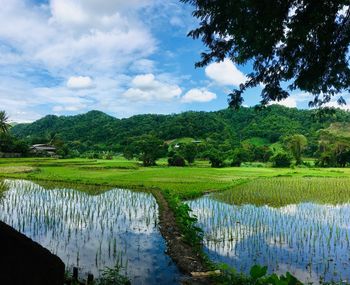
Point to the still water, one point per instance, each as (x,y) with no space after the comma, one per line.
(92,232)
(309,240)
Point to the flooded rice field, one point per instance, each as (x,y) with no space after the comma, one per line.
(92,232)
(309,240)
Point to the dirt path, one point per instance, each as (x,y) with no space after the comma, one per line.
(188,261)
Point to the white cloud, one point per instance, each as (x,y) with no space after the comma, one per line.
(289,102)
(225,73)
(198,95)
(76,35)
(142,66)
(79,82)
(295,100)
(103,43)
(148,88)
(334,104)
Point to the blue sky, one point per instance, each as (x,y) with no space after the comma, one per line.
(67,57)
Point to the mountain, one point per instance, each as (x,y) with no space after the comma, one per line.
(99,131)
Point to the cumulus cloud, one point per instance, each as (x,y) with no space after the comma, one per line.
(294,100)
(225,73)
(75,35)
(198,95)
(101,44)
(147,88)
(79,82)
(289,102)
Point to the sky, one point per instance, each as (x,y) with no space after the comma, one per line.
(67,57)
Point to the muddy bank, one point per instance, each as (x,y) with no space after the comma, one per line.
(188,261)
(24,262)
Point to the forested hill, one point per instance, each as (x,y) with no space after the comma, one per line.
(99,131)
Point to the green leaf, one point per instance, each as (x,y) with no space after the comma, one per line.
(258,271)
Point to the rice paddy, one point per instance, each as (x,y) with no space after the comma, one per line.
(296,225)
(92,232)
(293,220)
(283,191)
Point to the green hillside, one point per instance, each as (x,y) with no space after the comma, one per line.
(98,131)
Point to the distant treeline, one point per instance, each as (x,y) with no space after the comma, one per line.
(224,130)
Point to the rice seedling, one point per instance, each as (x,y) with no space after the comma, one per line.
(284,191)
(307,239)
(92,232)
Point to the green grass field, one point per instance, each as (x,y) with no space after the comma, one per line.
(186,182)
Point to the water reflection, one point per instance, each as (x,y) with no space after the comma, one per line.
(308,240)
(92,232)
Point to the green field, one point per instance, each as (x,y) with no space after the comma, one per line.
(186,182)
(271,188)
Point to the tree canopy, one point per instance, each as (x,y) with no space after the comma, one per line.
(225,129)
(297,144)
(292,44)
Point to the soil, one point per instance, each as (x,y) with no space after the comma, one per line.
(188,260)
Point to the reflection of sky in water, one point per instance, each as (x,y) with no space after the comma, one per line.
(92,232)
(311,241)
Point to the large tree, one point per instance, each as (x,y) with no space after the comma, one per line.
(146,148)
(4,122)
(297,144)
(291,44)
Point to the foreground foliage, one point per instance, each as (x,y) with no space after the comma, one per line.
(304,43)
(258,276)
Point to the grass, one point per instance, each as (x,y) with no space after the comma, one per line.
(187,182)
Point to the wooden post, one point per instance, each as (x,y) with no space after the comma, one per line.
(75,273)
(90,279)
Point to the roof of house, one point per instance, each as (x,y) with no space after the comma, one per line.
(43,147)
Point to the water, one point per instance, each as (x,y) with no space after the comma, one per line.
(92,232)
(309,240)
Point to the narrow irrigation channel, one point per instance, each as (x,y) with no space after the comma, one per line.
(190,261)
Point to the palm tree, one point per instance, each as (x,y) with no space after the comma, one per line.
(4,125)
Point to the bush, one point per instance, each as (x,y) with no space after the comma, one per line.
(92,155)
(240,155)
(176,160)
(281,159)
(216,158)
(108,155)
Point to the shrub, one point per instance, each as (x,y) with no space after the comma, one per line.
(176,160)
(240,155)
(216,158)
(281,159)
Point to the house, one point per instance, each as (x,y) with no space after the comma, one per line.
(43,149)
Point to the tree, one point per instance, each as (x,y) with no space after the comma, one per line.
(176,160)
(10,144)
(4,122)
(240,155)
(303,43)
(216,158)
(334,155)
(342,153)
(297,144)
(262,153)
(146,148)
(189,152)
(281,159)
